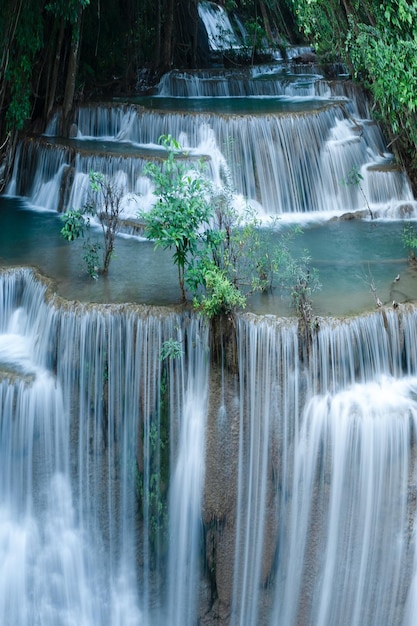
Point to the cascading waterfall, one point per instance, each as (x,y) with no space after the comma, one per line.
(279,488)
(186,498)
(324,529)
(81,447)
(246,83)
(101,530)
(289,164)
(347,554)
(220,32)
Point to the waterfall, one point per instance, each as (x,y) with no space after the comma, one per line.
(223,83)
(269,481)
(326,456)
(186,498)
(348,516)
(220,32)
(289,164)
(84,396)
(106,500)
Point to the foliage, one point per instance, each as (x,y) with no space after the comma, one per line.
(241,256)
(237,244)
(23,40)
(171,349)
(379,44)
(387,62)
(355,178)
(91,257)
(409,239)
(322,23)
(182,209)
(152,478)
(107,208)
(221,296)
(300,281)
(223,254)
(75,224)
(257,39)
(67,9)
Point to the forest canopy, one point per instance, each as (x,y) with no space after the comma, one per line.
(378,42)
(55,52)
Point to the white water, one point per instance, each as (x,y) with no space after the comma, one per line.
(325,520)
(290,142)
(220,32)
(288,165)
(222,83)
(186,499)
(77,389)
(348,517)
(323,530)
(321,526)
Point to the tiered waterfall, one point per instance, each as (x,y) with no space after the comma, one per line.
(274,486)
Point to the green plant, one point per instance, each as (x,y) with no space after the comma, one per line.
(223,255)
(75,224)
(153,474)
(239,256)
(409,239)
(221,296)
(297,277)
(91,257)
(256,36)
(182,209)
(171,349)
(378,42)
(301,281)
(237,244)
(355,178)
(106,206)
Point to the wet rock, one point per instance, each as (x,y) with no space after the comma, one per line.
(306,57)
(73,130)
(351,215)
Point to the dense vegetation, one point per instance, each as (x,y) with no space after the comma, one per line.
(222,255)
(378,41)
(56,51)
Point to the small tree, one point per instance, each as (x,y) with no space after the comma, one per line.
(409,238)
(182,210)
(300,281)
(105,205)
(221,297)
(239,256)
(223,254)
(355,178)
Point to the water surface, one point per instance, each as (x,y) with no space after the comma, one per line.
(351,257)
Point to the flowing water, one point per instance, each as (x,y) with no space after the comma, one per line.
(282,489)
(103,449)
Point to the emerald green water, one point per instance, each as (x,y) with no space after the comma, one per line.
(238,105)
(348,255)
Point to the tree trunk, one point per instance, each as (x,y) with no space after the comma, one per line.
(181,281)
(51,95)
(265,20)
(72,70)
(168,34)
(194,38)
(158,29)
(4,62)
